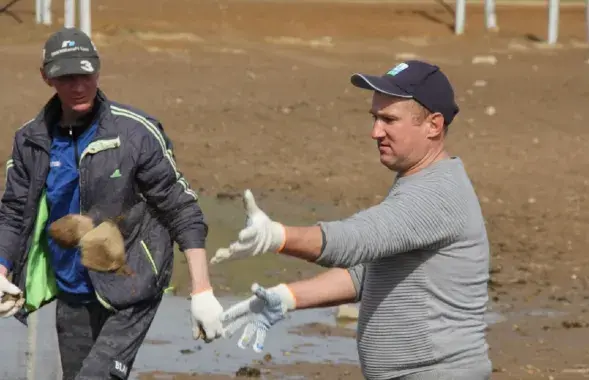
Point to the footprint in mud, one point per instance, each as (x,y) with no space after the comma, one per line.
(248,372)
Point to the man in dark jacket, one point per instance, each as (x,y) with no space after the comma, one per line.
(83,154)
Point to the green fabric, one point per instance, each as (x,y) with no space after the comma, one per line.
(41,286)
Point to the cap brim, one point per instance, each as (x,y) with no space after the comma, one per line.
(72,66)
(380,84)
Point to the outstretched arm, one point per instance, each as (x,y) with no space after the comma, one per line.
(269,306)
(415,219)
(331,288)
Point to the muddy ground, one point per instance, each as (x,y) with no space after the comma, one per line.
(257,94)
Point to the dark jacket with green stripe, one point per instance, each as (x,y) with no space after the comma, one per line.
(156,202)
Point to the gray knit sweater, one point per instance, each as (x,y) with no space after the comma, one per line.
(420,264)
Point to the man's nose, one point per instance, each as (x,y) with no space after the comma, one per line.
(377,130)
(78,82)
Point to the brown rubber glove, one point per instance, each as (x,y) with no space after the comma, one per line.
(68,230)
(103,249)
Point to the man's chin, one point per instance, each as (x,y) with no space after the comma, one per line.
(386,161)
(390,163)
(82,107)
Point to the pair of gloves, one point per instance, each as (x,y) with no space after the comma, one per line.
(257,313)
(267,306)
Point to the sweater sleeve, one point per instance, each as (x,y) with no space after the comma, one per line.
(357,274)
(417,216)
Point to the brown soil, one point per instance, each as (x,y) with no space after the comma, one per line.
(257,94)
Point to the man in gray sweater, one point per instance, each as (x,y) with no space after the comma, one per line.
(418,261)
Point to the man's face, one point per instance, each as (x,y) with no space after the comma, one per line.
(76,92)
(403,131)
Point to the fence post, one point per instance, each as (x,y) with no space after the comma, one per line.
(85,19)
(69,20)
(553,21)
(490,16)
(587,18)
(46,5)
(32,343)
(38,11)
(460,15)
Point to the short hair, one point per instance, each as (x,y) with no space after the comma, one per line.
(421,113)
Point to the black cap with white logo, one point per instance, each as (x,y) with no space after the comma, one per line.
(70,51)
(417,80)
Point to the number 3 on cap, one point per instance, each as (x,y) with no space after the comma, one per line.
(86,66)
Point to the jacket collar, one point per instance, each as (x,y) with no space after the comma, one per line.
(40,132)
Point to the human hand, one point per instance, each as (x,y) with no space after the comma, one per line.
(68,230)
(258,313)
(260,235)
(11,298)
(205,312)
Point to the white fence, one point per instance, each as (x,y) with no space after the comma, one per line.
(491,18)
(43,14)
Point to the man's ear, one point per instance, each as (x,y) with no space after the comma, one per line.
(44,77)
(436,127)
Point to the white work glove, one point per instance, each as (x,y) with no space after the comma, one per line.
(258,313)
(205,312)
(260,235)
(10,306)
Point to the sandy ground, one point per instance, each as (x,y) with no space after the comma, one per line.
(257,94)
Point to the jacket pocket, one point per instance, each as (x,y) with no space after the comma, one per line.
(146,280)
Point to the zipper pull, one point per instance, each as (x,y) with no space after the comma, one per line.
(71,132)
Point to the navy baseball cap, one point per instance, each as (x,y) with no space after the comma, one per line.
(417,80)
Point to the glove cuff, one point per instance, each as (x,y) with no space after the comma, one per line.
(201,292)
(279,233)
(286,295)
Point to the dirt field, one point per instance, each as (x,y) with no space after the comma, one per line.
(257,94)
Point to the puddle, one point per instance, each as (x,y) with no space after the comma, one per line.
(544,313)
(223,356)
(169,346)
